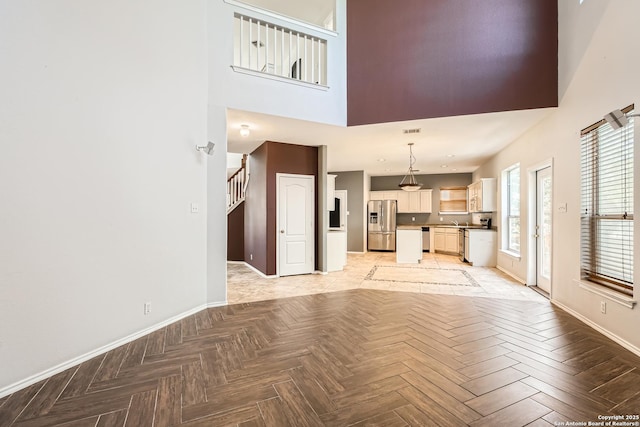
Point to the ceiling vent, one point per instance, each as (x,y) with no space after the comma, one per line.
(411,131)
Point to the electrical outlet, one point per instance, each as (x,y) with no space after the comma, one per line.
(195,208)
(413,218)
(603,307)
(147,308)
(441,219)
(250,257)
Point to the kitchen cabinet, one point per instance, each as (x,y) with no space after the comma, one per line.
(425,201)
(336,250)
(453,200)
(414,202)
(438,241)
(408,202)
(331,192)
(446,239)
(403,201)
(482,196)
(383,195)
(409,245)
(481,247)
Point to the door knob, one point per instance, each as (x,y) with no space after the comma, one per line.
(282,231)
(536,235)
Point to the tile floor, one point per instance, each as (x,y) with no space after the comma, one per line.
(439,274)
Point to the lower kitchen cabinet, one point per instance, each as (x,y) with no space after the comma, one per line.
(481,247)
(336,250)
(409,246)
(446,239)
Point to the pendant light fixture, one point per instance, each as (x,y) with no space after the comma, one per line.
(409,182)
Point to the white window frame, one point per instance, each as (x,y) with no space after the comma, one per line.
(506,210)
(597,259)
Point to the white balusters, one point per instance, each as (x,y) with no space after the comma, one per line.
(302,58)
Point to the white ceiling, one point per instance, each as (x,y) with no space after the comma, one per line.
(471,140)
(312,11)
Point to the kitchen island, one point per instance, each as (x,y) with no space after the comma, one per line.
(408,244)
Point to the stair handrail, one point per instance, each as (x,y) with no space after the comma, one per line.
(237,186)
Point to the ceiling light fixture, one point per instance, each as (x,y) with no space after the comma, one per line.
(382,160)
(444,166)
(409,182)
(244,131)
(451,155)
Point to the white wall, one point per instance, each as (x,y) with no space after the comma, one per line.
(605,79)
(243,92)
(229,89)
(101,105)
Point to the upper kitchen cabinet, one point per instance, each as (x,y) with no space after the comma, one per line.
(408,202)
(415,202)
(453,200)
(482,196)
(403,201)
(383,195)
(425,201)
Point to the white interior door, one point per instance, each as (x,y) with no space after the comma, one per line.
(296,218)
(543,228)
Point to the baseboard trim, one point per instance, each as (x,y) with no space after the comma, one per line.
(260,273)
(626,344)
(217,304)
(510,274)
(357,252)
(12,388)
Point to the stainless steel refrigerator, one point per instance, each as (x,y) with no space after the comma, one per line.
(381,225)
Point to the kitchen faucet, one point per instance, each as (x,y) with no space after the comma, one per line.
(455,222)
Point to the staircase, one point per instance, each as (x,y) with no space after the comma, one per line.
(237,186)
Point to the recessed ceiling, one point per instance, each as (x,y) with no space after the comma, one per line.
(462,143)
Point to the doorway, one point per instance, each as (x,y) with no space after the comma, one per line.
(295,213)
(540,245)
(544,216)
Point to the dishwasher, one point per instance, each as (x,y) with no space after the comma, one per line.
(425,239)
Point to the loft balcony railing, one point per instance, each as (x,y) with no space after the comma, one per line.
(273,50)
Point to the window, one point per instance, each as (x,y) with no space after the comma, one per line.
(606,220)
(511,204)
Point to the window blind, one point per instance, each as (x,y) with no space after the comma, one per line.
(606,223)
(513,209)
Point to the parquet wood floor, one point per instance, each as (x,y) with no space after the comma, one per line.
(358,357)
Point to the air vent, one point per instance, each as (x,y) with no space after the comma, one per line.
(411,131)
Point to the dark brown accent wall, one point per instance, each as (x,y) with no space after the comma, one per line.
(270,159)
(235,234)
(420,59)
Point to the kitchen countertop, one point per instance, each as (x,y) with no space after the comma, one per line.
(419,226)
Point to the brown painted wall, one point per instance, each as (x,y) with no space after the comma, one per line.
(434,58)
(235,234)
(260,215)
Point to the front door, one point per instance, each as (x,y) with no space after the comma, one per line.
(295,225)
(544,186)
